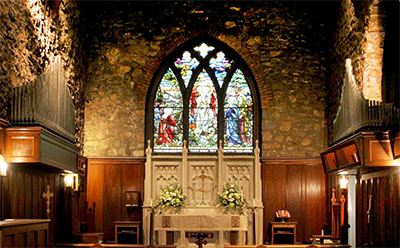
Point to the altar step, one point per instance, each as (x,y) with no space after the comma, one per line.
(290,246)
(97,245)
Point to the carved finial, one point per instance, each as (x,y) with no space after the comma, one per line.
(257,144)
(148,150)
(220,144)
(184,147)
(333,199)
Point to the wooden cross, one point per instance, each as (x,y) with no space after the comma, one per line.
(47,196)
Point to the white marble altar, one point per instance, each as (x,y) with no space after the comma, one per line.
(201,178)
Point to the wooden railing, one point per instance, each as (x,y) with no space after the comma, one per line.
(46,102)
(357,113)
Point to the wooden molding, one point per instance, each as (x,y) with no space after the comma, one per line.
(363,149)
(22,145)
(114,160)
(396,146)
(38,145)
(293,160)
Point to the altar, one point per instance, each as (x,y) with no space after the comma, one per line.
(202,177)
(203,220)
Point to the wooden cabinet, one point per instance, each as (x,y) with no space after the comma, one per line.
(283,232)
(24,233)
(127,232)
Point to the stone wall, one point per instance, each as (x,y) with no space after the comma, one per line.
(359,36)
(32,33)
(284,45)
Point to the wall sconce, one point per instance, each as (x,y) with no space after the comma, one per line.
(3,166)
(343,182)
(71,180)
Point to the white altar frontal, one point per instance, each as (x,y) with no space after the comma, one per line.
(201,178)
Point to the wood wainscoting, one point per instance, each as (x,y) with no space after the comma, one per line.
(21,193)
(297,185)
(383,229)
(107,181)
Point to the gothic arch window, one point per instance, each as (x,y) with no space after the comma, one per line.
(203,92)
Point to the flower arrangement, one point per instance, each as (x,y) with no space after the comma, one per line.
(170,197)
(232,199)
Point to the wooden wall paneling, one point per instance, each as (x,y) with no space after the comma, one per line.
(295,197)
(112,199)
(28,196)
(299,186)
(383,230)
(14,193)
(396,208)
(132,180)
(314,216)
(95,182)
(383,187)
(274,182)
(5,196)
(374,217)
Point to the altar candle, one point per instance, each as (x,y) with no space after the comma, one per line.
(151,202)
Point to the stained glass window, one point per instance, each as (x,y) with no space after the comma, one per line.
(185,103)
(203,115)
(168,106)
(186,64)
(203,49)
(220,64)
(238,114)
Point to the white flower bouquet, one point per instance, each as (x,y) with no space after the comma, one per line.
(232,199)
(170,197)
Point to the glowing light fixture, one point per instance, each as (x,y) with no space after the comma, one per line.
(71,180)
(3,166)
(343,182)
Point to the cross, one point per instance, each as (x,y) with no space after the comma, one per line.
(202,177)
(200,237)
(47,195)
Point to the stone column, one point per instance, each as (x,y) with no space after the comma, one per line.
(184,167)
(147,203)
(220,241)
(220,163)
(258,208)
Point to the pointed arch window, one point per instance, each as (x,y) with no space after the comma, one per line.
(203,93)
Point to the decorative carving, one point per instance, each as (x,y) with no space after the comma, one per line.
(166,221)
(47,195)
(240,175)
(235,221)
(166,174)
(203,184)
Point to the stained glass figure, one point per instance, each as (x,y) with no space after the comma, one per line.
(203,115)
(186,64)
(204,49)
(180,114)
(238,113)
(168,106)
(220,65)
